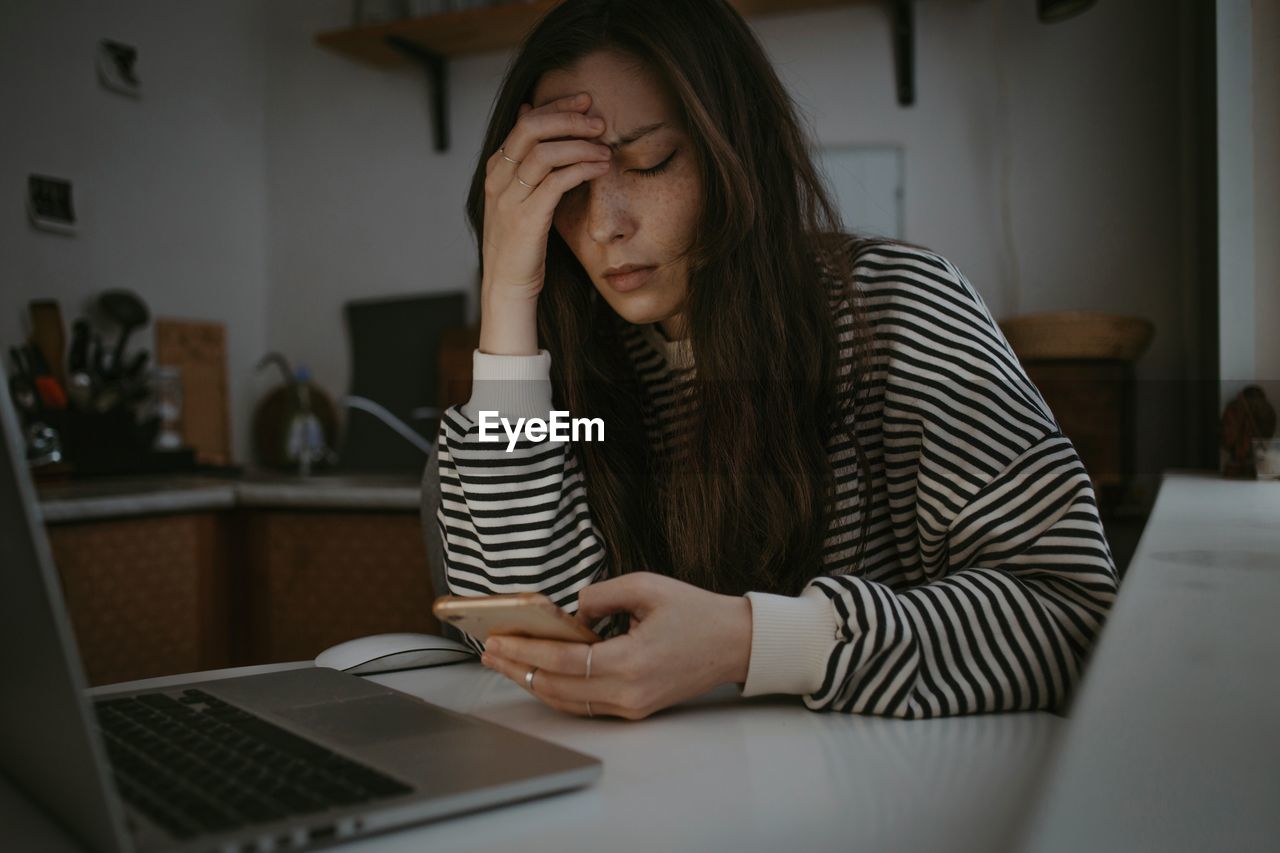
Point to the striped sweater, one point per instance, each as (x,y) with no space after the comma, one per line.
(986,575)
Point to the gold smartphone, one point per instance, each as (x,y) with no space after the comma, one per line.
(523,614)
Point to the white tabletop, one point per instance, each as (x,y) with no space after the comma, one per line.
(1173,744)
(726,773)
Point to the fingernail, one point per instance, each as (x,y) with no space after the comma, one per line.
(494,646)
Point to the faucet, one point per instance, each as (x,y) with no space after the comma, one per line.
(381,413)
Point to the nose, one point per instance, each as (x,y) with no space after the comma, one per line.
(609,216)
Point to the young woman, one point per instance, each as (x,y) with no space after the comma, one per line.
(824,472)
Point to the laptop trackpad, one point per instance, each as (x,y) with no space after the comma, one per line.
(372,720)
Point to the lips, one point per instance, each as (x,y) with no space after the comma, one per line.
(628,277)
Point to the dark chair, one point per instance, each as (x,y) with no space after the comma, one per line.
(431,533)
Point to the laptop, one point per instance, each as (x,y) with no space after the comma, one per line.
(278,761)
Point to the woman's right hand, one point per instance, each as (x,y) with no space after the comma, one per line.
(553,146)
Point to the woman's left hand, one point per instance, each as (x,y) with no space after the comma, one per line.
(683,641)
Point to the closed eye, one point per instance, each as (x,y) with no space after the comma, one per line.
(653,170)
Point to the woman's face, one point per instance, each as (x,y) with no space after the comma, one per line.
(644,210)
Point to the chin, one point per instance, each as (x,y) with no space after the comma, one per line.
(639,310)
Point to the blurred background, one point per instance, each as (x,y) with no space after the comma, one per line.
(238,287)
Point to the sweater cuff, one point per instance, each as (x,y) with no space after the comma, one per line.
(514,386)
(792,640)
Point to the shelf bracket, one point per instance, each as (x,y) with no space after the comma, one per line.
(436,67)
(902,31)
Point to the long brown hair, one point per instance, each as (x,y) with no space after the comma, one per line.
(752,510)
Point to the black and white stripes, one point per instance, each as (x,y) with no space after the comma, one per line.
(986,575)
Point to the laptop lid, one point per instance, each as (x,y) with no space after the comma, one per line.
(46,746)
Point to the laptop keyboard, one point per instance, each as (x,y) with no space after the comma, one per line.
(198,765)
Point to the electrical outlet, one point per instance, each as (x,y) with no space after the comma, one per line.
(50,205)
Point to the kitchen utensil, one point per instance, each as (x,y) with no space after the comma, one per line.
(78,358)
(20,365)
(50,393)
(134,370)
(79,390)
(127,309)
(98,359)
(23,394)
(49,335)
(36,365)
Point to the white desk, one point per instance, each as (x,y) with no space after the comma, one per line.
(738,775)
(1174,742)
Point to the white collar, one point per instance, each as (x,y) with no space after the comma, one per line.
(679,354)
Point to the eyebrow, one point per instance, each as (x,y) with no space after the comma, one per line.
(632,136)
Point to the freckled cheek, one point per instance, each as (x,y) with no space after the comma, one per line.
(567,220)
(681,208)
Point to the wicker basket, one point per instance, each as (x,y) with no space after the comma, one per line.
(1078,335)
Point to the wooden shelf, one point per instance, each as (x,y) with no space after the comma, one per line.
(489,28)
(430,41)
(451,34)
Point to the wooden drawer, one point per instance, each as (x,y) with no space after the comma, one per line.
(147,596)
(313,579)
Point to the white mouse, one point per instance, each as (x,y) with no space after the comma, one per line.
(388,652)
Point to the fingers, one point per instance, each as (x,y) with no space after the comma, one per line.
(608,657)
(559,119)
(551,655)
(634,593)
(551,685)
(570,694)
(550,156)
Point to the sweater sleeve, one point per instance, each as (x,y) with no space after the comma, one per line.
(1014,576)
(513,520)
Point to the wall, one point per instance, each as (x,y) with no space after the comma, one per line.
(1080,120)
(1248,134)
(1046,161)
(360,204)
(168,187)
(1266,197)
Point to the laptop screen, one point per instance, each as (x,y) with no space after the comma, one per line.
(46,748)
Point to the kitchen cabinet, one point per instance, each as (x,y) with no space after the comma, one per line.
(314,579)
(170,577)
(147,596)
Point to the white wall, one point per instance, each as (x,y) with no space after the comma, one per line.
(317,181)
(1248,135)
(1266,197)
(361,205)
(1237,308)
(168,188)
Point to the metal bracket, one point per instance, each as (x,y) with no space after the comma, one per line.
(902,30)
(436,67)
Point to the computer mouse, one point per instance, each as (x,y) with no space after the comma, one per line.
(389,652)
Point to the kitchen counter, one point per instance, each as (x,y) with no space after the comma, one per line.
(91,500)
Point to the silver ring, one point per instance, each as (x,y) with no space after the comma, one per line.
(589,714)
(522,181)
(528,678)
(589,650)
(508,159)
